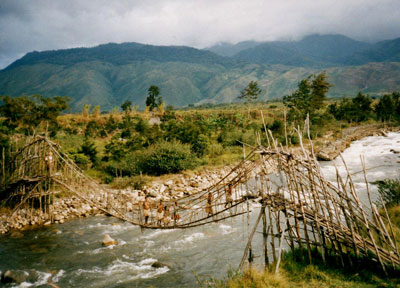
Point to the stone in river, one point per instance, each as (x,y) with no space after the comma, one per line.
(159,265)
(16,235)
(108,241)
(13,277)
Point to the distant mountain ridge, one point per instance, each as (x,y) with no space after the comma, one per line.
(119,54)
(109,74)
(317,51)
(229,50)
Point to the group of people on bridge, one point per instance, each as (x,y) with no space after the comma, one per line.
(164,217)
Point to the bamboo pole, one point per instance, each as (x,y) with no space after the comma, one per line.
(249,242)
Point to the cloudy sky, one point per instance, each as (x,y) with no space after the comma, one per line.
(53,24)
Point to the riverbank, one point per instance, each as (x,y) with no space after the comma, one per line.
(330,148)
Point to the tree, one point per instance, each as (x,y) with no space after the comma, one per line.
(85,110)
(31,111)
(250,94)
(362,107)
(308,98)
(153,99)
(127,106)
(388,107)
(96,111)
(357,109)
(88,148)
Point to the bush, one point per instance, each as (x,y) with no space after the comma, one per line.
(128,166)
(82,160)
(389,189)
(88,148)
(215,150)
(166,157)
(200,145)
(136,182)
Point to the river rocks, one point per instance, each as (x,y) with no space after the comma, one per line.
(158,264)
(169,183)
(152,193)
(10,276)
(48,285)
(162,189)
(16,235)
(108,241)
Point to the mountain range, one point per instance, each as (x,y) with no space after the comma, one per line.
(109,74)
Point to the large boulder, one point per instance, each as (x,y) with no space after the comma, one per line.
(13,277)
(108,241)
(158,264)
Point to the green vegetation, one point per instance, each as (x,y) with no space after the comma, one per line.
(117,145)
(308,99)
(250,93)
(295,273)
(154,99)
(360,108)
(29,112)
(389,190)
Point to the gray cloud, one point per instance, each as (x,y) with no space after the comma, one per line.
(47,24)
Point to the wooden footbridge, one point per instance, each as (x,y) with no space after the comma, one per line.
(298,205)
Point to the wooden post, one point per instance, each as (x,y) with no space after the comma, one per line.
(249,242)
(265,237)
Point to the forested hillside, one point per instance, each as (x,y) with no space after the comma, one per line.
(108,75)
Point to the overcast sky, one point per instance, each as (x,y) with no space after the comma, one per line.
(27,25)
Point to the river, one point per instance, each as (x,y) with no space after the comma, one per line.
(71,254)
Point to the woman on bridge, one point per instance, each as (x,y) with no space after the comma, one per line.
(209,209)
(229,195)
(167,219)
(160,214)
(146,209)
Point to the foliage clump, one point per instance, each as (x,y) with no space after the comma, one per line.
(166,157)
(308,98)
(29,112)
(389,190)
(357,109)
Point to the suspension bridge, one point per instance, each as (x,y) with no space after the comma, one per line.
(298,205)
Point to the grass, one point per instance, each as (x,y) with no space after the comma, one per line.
(296,274)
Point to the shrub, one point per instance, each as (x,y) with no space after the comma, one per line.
(200,145)
(215,150)
(136,182)
(88,148)
(128,166)
(82,160)
(115,149)
(389,189)
(166,157)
